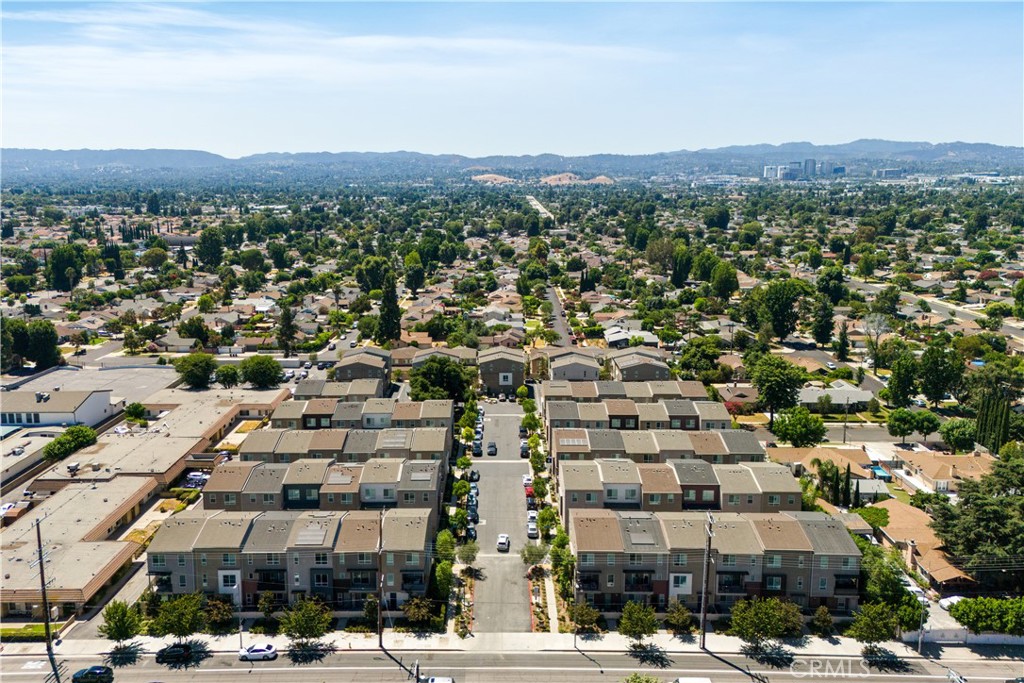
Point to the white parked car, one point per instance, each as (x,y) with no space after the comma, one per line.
(527,480)
(504,542)
(830,365)
(258,652)
(531,515)
(531,530)
(946,603)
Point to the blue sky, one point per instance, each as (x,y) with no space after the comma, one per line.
(490,78)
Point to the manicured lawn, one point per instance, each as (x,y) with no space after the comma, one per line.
(899,494)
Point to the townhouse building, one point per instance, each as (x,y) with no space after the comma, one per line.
(652,557)
(372,413)
(341,557)
(677,485)
(627,414)
(347,445)
(502,370)
(654,446)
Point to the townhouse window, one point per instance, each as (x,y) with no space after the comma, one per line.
(675,424)
(733,499)
(671,498)
(285,458)
(426,497)
(293,494)
(630,424)
(750,499)
(268,498)
(631,494)
(311,494)
(774,499)
(252,498)
(346,499)
(181,560)
(635,559)
(586,559)
(158,561)
(202,559)
(249,559)
(204,581)
(610,559)
(408,498)
(822,584)
(611,580)
(616,423)
(325,422)
(707,495)
(296,580)
(229,499)
(228,581)
(273,559)
(773,583)
(800,582)
(412,558)
(847,563)
(690,423)
(717,459)
(228,559)
(322,559)
(182,581)
(389,559)
(679,559)
(575,497)
(728,560)
(389,493)
(790,500)
(391,579)
(753,560)
(320,580)
(800,562)
(654,499)
(611,494)
(295,558)
(341,559)
(369,494)
(774,561)
(330,497)
(364,558)
(823,562)
(591,497)
(690,494)
(212,497)
(648,458)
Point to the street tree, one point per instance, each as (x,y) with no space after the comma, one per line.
(780,299)
(903,380)
(307,621)
(926,422)
(42,344)
(872,624)
(639,677)
(822,322)
(389,326)
(901,423)
(286,330)
(444,579)
(678,617)
(121,622)
(261,371)
(821,623)
(830,282)
(209,248)
(875,325)
(941,369)
(759,620)
(583,616)
(183,616)
(532,554)
(444,545)
(153,258)
(414,272)
(418,610)
(195,369)
(800,428)
(724,280)
(467,553)
(842,344)
(778,383)
(637,622)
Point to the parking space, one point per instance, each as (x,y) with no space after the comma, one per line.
(502,602)
(131,384)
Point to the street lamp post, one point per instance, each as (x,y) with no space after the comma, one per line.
(238,590)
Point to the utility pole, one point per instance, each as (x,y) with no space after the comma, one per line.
(380,582)
(920,629)
(709,532)
(46,604)
(846,416)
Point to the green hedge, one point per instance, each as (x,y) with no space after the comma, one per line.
(30,633)
(71,440)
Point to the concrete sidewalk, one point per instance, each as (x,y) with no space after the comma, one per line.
(495,643)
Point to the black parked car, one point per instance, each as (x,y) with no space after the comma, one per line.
(473,516)
(471,533)
(174,653)
(474,475)
(94,674)
(531,503)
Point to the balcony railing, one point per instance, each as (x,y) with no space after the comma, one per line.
(588,582)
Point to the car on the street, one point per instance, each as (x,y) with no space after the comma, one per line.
(438,679)
(257,652)
(527,480)
(529,491)
(179,652)
(471,500)
(504,542)
(94,674)
(524,450)
(531,503)
(352,344)
(919,403)
(531,515)
(501,397)
(473,515)
(830,365)
(289,373)
(474,489)
(474,475)
(480,413)
(523,432)
(471,532)
(308,364)
(492,448)
(477,449)
(332,346)
(531,530)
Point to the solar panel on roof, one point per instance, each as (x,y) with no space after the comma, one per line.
(313,534)
(420,476)
(641,538)
(572,442)
(339,478)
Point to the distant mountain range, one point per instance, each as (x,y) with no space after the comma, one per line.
(859,156)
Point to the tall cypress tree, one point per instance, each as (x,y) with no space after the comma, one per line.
(389,326)
(846,487)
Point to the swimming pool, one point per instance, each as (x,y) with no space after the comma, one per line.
(881,473)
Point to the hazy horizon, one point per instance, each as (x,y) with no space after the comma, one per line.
(491,79)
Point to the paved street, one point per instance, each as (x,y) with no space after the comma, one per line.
(501,601)
(558,323)
(585,666)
